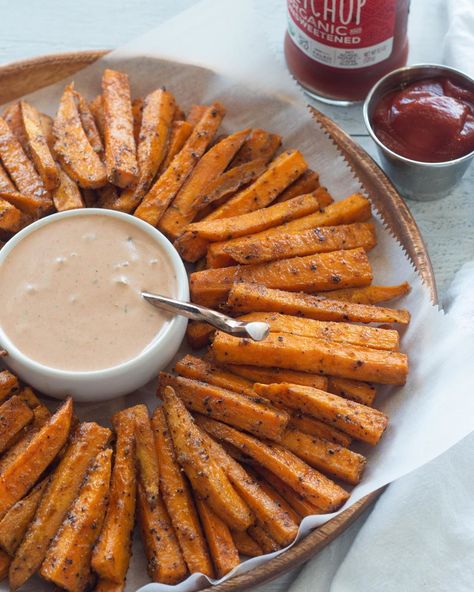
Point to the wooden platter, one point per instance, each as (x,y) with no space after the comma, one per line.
(26,76)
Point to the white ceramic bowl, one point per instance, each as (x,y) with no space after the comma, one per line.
(99,385)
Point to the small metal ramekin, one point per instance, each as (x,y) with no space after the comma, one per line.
(422,181)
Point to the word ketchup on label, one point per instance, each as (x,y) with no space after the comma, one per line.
(338,49)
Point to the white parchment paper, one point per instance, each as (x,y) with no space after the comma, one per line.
(216,51)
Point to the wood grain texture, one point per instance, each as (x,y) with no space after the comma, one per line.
(30,75)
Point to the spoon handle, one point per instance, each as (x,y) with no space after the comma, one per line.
(255,330)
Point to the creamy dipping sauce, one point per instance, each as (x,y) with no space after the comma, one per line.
(70,292)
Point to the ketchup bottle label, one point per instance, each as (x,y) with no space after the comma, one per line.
(343,33)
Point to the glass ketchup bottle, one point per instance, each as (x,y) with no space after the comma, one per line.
(338,49)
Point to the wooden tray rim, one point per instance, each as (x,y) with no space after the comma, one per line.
(27,75)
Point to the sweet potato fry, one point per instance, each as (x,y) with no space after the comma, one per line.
(314,272)
(41,417)
(67,195)
(224,553)
(179,135)
(157,117)
(221,252)
(318,429)
(96,107)
(260,144)
(305,183)
(276,497)
(28,396)
(72,147)
(272,375)
(182,210)
(9,384)
(209,182)
(327,357)
(199,334)
(30,205)
(14,524)
(21,474)
(86,442)
(324,197)
(294,244)
(67,562)
(179,501)
(362,335)
(360,392)
(247,413)
(281,172)
(89,123)
(112,552)
(120,148)
(250,297)
(14,416)
(328,457)
(6,185)
(263,539)
(229,182)
(12,115)
(299,504)
(207,478)
(245,544)
(195,114)
(39,149)
(146,455)
(236,226)
(165,560)
(268,513)
(203,370)
(157,200)
(47,126)
(137,114)
(20,168)
(370,294)
(359,421)
(313,486)
(354,208)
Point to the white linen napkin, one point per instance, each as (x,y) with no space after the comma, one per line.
(459,39)
(420,533)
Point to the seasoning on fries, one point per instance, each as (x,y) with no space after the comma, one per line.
(249,437)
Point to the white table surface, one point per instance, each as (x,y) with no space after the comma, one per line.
(30,28)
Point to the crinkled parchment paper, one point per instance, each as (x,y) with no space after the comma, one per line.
(217,50)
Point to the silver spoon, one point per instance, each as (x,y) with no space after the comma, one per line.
(256,330)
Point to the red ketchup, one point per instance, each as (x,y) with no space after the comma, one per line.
(338,49)
(429,121)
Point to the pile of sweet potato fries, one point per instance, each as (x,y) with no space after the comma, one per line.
(249,438)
